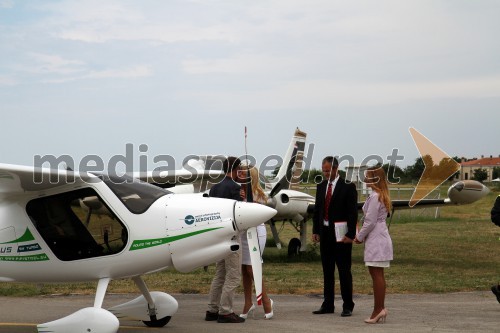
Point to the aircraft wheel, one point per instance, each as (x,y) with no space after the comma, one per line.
(158,323)
(294,247)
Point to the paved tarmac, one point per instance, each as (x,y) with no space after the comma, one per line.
(455,312)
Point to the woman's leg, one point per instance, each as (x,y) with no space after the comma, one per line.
(247,277)
(247,274)
(266,301)
(377,274)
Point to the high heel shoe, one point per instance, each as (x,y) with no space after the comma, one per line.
(270,314)
(252,310)
(380,317)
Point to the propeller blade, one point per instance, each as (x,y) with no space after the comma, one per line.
(276,189)
(254,248)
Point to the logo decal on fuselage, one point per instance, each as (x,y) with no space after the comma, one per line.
(189,219)
(10,250)
(29,248)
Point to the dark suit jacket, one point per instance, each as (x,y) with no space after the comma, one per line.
(227,189)
(343,207)
(495,212)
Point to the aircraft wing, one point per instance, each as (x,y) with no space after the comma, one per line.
(18,179)
(461,193)
(199,169)
(169,178)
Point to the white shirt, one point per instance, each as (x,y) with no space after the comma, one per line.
(334,183)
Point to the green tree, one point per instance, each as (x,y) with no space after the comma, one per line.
(456,174)
(308,176)
(395,174)
(414,172)
(480,175)
(496,173)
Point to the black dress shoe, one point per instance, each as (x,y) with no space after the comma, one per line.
(496,291)
(346,313)
(211,316)
(323,310)
(230,318)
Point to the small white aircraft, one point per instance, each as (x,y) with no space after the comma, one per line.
(46,236)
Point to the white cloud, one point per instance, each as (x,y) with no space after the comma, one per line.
(135,72)
(54,64)
(7,81)
(324,94)
(240,64)
(96,33)
(6,4)
(126,73)
(100,22)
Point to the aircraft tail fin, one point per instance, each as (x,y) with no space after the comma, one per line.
(289,173)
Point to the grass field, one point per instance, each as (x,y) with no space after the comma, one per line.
(458,251)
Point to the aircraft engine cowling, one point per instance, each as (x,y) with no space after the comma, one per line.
(205,248)
(467,191)
(291,204)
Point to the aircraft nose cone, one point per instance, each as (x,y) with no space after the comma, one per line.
(467,191)
(248,215)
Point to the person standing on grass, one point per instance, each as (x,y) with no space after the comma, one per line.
(378,244)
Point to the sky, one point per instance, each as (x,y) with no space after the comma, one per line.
(84,78)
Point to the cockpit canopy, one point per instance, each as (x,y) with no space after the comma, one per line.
(135,194)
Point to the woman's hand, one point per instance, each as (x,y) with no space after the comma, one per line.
(346,240)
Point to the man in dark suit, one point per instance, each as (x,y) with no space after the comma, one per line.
(227,271)
(336,201)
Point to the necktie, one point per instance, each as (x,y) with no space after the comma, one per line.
(327,199)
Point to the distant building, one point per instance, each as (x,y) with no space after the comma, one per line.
(355,173)
(467,167)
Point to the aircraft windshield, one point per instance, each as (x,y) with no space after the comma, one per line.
(136,195)
(77,225)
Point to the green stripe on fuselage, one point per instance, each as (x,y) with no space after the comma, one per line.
(145,243)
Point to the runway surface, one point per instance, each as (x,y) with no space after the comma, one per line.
(455,312)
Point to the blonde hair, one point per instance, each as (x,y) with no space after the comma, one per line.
(257,191)
(377,179)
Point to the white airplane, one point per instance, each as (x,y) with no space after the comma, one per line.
(45,236)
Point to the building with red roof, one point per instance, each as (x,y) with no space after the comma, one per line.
(488,163)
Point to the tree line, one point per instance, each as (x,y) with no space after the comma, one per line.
(409,174)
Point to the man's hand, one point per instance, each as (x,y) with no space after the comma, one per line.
(315,238)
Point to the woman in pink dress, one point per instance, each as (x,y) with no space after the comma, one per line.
(378,244)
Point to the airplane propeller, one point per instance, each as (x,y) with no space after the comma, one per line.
(285,181)
(256,260)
